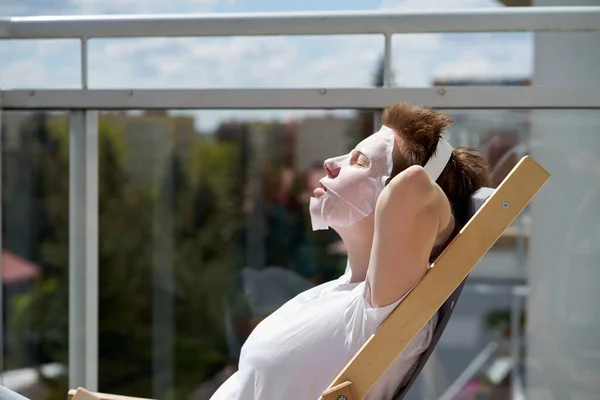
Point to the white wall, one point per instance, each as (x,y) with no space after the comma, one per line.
(564,261)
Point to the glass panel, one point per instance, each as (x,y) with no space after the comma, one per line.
(563,318)
(199,209)
(191,220)
(472,359)
(35,252)
(534,294)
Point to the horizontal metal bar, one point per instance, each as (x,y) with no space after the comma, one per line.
(361,98)
(305,23)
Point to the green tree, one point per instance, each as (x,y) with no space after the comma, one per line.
(41,313)
(202,201)
(379,75)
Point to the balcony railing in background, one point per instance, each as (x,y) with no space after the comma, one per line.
(555,19)
(84,103)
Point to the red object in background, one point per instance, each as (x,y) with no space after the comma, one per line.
(16,269)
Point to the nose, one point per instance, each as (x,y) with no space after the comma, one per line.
(331,168)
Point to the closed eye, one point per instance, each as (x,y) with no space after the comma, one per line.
(359,160)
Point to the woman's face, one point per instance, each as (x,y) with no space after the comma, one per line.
(349,191)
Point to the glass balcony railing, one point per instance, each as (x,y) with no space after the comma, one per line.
(146,230)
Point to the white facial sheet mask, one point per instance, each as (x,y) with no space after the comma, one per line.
(352,194)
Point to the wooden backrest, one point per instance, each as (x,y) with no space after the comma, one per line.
(445,312)
(448,273)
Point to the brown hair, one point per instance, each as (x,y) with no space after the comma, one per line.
(420,129)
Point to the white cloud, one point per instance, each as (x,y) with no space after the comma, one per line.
(29,64)
(13,8)
(235,62)
(473,56)
(140,6)
(419,59)
(465,67)
(101,7)
(31,73)
(493,60)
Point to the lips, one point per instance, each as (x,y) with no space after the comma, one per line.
(320,191)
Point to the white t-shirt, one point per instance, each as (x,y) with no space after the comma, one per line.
(297,351)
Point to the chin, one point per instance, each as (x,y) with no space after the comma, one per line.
(364,225)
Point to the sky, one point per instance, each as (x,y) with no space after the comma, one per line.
(255,62)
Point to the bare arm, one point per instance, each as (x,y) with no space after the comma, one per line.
(411,217)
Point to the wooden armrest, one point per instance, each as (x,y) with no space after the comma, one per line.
(83,394)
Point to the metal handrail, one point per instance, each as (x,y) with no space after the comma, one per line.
(304,23)
(387,23)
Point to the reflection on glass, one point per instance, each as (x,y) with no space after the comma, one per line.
(202,235)
(35,231)
(563,319)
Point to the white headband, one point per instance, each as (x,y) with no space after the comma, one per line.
(439,159)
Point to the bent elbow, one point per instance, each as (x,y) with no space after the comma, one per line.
(412,190)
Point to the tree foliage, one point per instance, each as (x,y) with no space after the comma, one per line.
(179,226)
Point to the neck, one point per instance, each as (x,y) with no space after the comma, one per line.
(358,241)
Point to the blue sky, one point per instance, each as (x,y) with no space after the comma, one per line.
(340,61)
(307,5)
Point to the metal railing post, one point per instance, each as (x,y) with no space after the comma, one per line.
(83,243)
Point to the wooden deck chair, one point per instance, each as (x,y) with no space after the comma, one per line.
(439,290)
(493,210)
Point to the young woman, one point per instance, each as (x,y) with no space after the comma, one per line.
(395,200)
